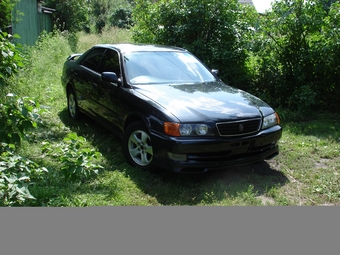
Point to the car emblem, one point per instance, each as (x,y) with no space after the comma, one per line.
(241,127)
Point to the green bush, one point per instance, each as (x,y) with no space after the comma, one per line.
(215,31)
(122,18)
(17,116)
(106,13)
(295,58)
(10,57)
(71,15)
(77,161)
(6,8)
(17,174)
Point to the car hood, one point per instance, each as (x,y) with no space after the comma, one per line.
(212,101)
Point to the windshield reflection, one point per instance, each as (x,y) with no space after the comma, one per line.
(165,67)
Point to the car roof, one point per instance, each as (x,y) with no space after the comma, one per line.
(130,47)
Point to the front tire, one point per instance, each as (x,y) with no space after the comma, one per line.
(72,104)
(138,147)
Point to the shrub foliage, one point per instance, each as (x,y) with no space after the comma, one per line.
(10,57)
(296,55)
(6,7)
(213,30)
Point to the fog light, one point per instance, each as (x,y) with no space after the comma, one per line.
(177,157)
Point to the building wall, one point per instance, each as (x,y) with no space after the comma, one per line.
(27,27)
(32,23)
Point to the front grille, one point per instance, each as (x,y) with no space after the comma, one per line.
(239,128)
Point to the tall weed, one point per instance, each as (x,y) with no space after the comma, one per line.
(109,35)
(40,78)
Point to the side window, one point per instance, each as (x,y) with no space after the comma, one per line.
(92,59)
(110,62)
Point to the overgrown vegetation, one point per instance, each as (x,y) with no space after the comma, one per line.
(289,59)
(16,175)
(6,7)
(17,117)
(76,160)
(10,57)
(295,54)
(72,16)
(215,31)
(91,16)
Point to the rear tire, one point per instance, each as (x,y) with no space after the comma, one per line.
(72,104)
(138,147)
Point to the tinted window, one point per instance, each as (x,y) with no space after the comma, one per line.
(110,62)
(92,59)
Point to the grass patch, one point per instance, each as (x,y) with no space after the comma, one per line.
(305,173)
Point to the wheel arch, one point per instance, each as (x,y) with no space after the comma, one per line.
(133,117)
(69,86)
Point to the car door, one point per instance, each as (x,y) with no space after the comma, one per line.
(112,108)
(87,81)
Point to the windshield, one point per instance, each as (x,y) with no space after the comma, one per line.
(165,67)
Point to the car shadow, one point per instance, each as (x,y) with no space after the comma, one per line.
(170,188)
(253,180)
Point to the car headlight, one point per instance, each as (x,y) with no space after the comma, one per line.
(185,129)
(270,120)
(201,129)
(177,129)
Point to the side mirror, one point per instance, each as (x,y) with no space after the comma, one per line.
(215,72)
(110,77)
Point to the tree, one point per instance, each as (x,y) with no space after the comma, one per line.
(327,4)
(100,13)
(297,55)
(6,7)
(111,13)
(71,15)
(211,29)
(122,18)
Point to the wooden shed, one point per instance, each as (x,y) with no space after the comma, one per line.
(35,19)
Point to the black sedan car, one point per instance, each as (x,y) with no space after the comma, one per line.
(169,109)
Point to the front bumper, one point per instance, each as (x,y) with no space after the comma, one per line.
(213,153)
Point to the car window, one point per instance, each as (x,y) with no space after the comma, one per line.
(165,67)
(92,59)
(110,62)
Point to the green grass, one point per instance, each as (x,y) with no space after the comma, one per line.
(305,173)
